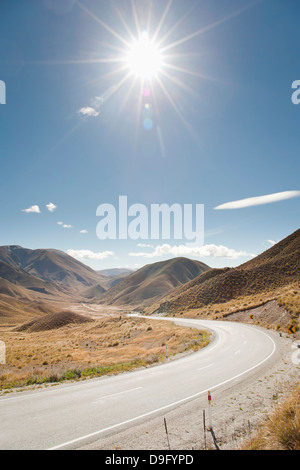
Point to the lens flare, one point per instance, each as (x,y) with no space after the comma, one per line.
(144,59)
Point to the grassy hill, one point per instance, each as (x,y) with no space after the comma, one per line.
(94,293)
(274,269)
(53,321)
(153,281)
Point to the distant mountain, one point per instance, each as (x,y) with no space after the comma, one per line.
(113,276)
(113,272)
(51,266)
(153,282)
(279,266)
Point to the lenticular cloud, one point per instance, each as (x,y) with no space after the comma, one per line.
(259,200)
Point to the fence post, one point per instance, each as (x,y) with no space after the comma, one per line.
(167,433)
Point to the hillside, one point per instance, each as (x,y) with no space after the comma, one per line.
(93,293)
(153,282)
(52,266)
(15,309)
(277,267)
(53,321)
(14,281)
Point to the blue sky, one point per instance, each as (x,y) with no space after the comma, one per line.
(224,127)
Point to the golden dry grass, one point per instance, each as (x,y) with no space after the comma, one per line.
(287,297)
(290,300)
(281,430)
(109,344)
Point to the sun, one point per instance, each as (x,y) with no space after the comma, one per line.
(144,59)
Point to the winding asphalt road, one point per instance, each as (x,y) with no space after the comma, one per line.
(71,415)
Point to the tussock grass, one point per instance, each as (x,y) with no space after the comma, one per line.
(287,297)
(290,300)
(281,430)
(108,345)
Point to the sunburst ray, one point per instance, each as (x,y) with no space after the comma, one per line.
(209,27)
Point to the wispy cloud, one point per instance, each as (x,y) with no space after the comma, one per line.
(33,209)
(89,255)
(259,200)
(272,242)
(206,251)
(145,245)
(51,207)
(83,231)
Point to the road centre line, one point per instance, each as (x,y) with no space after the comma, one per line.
(115,394)
(205,367)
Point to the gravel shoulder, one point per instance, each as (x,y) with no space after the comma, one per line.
(236,411)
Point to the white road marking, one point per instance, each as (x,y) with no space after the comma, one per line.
(205,367)
(115,394)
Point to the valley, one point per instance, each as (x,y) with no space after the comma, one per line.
(62,322)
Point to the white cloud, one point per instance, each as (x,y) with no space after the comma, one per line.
(206,251)
(34,209)
(259,200)
(271,242)
(64,225)
(83,231)
(94,109)
(89,111)
(88,255)
(51,207)
(144,245)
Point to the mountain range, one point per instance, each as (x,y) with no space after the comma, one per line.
(38,279)
(47,275)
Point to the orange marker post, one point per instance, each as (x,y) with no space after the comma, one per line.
(209,411)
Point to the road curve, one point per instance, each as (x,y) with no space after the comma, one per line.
(70,415)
